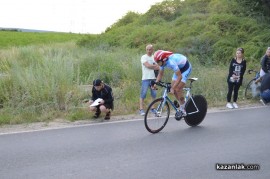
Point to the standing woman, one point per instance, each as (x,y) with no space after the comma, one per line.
(237,69)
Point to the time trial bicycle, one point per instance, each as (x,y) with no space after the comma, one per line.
(158,111)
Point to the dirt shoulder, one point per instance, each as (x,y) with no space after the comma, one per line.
(62,123)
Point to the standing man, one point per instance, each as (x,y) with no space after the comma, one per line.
(148,74)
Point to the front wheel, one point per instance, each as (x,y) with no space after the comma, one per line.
(156,115)
(196,115)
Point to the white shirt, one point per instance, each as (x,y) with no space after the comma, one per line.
(147,73)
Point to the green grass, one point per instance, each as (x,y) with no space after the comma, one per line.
(44,82)
(13,38)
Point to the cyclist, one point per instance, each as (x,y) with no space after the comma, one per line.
(182,70)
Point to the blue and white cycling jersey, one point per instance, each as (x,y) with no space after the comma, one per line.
(178,62)
(175,62)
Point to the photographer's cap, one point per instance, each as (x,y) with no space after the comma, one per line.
(97,82)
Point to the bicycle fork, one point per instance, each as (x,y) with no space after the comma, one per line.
(161,105)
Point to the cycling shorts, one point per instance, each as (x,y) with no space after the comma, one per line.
(185,75)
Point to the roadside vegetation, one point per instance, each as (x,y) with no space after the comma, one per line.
(16,38)
(47,76)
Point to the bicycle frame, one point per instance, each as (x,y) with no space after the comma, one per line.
(187,96)
(196,109)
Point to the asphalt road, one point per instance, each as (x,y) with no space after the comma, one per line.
(125,150)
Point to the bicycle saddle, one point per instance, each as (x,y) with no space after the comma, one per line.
(193,79)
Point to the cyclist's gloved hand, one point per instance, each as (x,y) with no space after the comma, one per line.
(153,85)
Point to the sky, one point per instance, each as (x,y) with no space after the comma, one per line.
(76,16)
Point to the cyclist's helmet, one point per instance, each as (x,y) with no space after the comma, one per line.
(161,55)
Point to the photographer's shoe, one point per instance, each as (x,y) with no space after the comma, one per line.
(108,116)
(97,114)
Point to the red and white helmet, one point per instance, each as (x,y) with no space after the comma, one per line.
(161,55)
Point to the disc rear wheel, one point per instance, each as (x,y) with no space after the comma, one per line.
(196,115)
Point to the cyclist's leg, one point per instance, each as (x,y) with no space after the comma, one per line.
(180,96)
(179,92)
